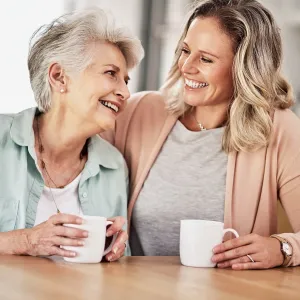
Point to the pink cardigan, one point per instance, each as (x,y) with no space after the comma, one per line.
(255,181)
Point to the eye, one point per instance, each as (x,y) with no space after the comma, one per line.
(185,51)
(111,73)
(206,60)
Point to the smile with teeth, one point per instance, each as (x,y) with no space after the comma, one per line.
(110,105)
(195,84)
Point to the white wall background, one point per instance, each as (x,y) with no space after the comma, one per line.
(18,21)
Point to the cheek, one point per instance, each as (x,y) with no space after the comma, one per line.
(221,77)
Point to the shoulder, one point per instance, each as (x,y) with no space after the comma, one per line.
(104,153)
(287,116)
(6,121)
(286,126)
(145,103)
(147,98)
(286,138)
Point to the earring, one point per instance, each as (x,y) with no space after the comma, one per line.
(62,90)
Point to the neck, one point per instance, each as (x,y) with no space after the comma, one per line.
(211,117)
(61,136)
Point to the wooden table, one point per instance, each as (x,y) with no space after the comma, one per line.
(139,278)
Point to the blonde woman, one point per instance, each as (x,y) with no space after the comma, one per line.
(218,142)
(53,164)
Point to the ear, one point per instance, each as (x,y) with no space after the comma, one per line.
(57,78)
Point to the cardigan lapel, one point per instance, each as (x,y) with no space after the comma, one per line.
(245,174)
(229,189)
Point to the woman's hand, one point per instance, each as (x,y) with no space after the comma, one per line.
(46,238)
(265,251)
(119,246)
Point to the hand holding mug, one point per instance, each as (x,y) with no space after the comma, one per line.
(197,240)
(264,253)
(46,238)
(119,246)
(93,249)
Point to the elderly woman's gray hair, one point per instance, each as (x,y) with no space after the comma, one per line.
(67,41)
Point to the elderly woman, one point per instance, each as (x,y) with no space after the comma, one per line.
(219,143)
(53,163)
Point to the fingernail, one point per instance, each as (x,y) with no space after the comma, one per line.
(109,233)
(213,259)
(79,221)
(109,257)
(73,254)
(115,250)
(85,233)
(81,243)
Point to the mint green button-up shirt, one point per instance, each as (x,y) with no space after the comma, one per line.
(102,189)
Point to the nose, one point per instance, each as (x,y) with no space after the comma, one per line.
(122,92)
(189,66)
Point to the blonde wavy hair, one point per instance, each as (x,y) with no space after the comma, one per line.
(259,87)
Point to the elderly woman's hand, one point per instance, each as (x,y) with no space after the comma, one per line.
(265,251)
(119,246)
(46,238)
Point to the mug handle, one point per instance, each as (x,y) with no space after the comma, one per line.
(232,231)
(108,249)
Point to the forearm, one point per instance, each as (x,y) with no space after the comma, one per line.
(13,242)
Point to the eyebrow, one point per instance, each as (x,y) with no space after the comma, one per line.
(202,51)
(117,69)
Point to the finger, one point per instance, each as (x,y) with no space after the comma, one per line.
(234,253)
(70,232)
(111,256)
(234,243)
(229,263)
(120,241)
(65,219)
(62,252)
(61,241)
(248,266)
(117,225)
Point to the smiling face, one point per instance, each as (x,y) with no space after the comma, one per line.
(206,64)
(98,94)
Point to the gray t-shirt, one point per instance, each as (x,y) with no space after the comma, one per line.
(187,181)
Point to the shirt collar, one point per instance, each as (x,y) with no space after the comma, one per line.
(103,153)
(21,130)
(99,151)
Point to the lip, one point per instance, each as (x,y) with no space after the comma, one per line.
(119,105)
(186,78)
(190,89)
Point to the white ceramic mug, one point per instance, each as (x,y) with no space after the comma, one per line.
(197,240)
(93,249)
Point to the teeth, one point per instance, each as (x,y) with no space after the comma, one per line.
(195,84)
(110,105)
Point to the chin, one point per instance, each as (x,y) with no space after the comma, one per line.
(193,101)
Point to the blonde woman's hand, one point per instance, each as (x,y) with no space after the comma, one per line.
(119,246)
(265,251)
(46,238)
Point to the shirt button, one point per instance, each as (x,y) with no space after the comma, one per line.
(84,195)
